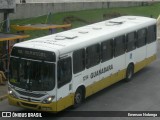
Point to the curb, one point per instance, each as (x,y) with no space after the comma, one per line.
(3,97)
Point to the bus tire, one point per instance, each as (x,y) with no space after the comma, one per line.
(78,97)
(129,72)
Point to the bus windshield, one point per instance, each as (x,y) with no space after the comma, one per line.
(32,75)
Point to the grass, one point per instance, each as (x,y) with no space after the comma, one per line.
(88,15)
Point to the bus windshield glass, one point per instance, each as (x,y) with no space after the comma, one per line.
(32,75)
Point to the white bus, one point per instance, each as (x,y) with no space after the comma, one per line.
(54,72)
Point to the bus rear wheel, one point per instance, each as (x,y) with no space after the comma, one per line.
(78,98)
(129,73)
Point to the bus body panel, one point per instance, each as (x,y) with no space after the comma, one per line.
(151,49)
(89,79)
(130,58)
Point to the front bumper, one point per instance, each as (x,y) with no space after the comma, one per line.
(32,105)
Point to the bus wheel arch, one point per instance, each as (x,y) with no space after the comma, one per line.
(129,72)
(79,96)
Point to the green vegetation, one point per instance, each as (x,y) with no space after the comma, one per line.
(88,15)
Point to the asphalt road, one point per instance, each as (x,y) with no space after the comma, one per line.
(140,94)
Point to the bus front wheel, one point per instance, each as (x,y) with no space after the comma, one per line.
(129,72)
(78,97)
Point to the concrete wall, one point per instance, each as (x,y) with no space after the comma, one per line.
(38,9)
(62,1)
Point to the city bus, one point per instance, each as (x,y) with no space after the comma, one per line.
(54,72)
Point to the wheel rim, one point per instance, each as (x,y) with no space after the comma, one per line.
(78,98)
(130,73)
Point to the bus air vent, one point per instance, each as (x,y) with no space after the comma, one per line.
(111,23)
(83,31)
(63,37)
(131,18)
(96,28)
(60,37)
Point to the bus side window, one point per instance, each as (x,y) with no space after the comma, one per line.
(92,55)
(151,34)
(141,37)
(131,41)
(107,50)
(64,71)
(119,45)
(78,61)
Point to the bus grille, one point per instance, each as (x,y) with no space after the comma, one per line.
(30,94)
(28,105)
(33,100)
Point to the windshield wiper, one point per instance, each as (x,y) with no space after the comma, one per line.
(28,85)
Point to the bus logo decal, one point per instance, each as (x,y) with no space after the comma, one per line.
(101,71)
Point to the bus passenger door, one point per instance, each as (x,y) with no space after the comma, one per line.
(64,83)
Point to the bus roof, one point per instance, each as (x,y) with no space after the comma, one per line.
(77,38)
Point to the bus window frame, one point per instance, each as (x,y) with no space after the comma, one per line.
(124,45)
(75,71)
(131,42)
(60,81)
(153,35)
(145,37)
(111,42)
(89,65)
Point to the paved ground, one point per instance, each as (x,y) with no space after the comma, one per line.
(3,90)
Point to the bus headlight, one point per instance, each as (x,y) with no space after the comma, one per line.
(48,99)
(11,93)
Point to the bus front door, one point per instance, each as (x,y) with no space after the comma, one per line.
(64,86)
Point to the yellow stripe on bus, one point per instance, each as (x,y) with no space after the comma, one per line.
(97,86)
(142,64)
(65,102)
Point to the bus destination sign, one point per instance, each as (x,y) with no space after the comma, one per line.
(33,54)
